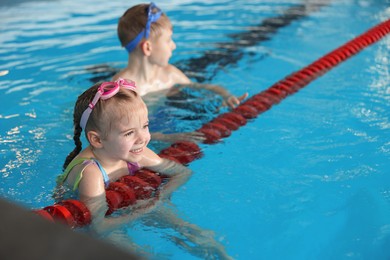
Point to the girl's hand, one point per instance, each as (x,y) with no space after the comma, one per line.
(177,174)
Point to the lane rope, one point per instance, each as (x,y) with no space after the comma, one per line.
(145,183)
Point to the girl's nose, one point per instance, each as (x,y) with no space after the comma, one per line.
(173,45)
(143,136)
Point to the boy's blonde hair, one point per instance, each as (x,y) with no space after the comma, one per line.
(134,20)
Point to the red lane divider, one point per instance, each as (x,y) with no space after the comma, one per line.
(122,193)
(264,100)
(144,184)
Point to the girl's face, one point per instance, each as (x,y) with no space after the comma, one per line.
(163,45)
(128,137)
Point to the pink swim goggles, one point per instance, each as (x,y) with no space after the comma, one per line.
(105,91)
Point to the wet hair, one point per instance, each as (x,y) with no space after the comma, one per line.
(133,21)
(104,114)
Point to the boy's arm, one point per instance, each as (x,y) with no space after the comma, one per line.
(181,80)
(229,99)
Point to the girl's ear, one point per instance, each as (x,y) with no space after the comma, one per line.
(146,47)
(94,139)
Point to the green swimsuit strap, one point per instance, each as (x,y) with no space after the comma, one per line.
(86,161)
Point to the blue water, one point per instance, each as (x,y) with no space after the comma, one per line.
(308,179)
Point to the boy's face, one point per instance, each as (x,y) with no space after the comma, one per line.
(162,47)
(128,137)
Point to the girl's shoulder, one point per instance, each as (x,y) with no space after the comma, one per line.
(77,169)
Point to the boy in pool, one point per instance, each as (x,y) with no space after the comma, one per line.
(115,123)
(146,33)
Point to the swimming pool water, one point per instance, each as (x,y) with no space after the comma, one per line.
(308,179)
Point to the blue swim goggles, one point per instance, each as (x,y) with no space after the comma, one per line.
(152,17)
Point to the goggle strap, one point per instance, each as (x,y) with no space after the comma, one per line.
(131,45)
(152,18)
(84,117)
(127,84)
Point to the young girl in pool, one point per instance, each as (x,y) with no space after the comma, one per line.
(114,119)
(146,33)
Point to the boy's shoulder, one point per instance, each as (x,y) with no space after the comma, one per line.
(124,73)
(175,74)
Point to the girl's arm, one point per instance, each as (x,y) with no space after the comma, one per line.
(93,194)
(177,173)
(102,224)
(196,137)
(196,240)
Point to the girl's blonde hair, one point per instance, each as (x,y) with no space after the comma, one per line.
(104,115)
(134,20)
